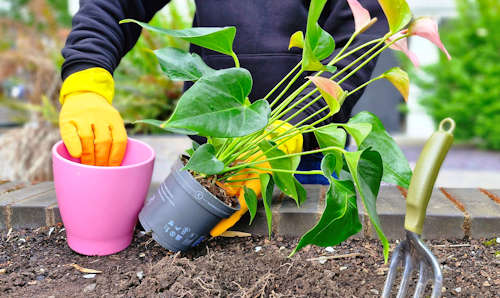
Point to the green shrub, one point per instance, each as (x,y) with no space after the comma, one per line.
(468,87)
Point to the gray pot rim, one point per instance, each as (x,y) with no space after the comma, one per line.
(184,179)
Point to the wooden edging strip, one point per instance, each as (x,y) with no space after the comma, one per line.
(467,218)
(490,195)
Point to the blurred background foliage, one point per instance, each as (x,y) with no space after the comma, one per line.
(467,88)
(33,34)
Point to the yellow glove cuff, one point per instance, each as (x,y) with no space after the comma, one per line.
(95,79)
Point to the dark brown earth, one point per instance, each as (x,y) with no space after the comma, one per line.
(34,264)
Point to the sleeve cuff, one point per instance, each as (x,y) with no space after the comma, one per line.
(95,79)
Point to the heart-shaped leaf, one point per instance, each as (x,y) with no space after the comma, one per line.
(340,218)
(397,12)
(251,201)
(396,167)
(359,131)
(399,78)
(366,170)
(194,146)
(204,161)
(331,91)
(332,136)
(180,65)
(219,39)
(267,187)
(216,106)
(318,43)
(162,125)
(296,40)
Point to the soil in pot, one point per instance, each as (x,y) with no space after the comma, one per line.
(213,188)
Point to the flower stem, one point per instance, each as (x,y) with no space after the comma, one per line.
(364,85)
(281,82)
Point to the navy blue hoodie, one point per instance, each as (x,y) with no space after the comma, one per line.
(263,27)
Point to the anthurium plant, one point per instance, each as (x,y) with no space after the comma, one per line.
(245,135)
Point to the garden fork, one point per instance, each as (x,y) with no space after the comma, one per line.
(412,252)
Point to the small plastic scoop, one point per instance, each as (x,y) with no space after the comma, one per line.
(412,252)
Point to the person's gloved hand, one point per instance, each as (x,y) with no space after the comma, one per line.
(293,145)
(91,128)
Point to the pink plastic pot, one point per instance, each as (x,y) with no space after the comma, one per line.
(99,205)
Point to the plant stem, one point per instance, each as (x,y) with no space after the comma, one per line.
(288,171)
(282,81)
(359,48)
(364,85)
(297,75)
(242,180)
(371,57)
(247,164)
(235,58)
(333,61)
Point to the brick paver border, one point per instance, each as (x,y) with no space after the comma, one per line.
(452,212)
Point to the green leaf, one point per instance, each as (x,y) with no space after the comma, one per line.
(251,201)
(340,218)
(399,78)
(204,161)
(359,131)
(215,106)
(180,65)
(396,167)
(285,181)
(296,40)
(194,146)
(366,170)
(267,187)
(162,125)
(331,68)
(397,12)
(219,39)
(301,192)
(216,142)
(332,136)
(318,44)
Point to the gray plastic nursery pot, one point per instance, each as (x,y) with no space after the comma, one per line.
(181,213)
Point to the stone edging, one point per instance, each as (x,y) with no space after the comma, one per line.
(452,212)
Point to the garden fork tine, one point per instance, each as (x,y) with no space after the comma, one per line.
(397,256)
(405,280)
(413,250)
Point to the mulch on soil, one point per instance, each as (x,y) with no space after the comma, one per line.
(38,263)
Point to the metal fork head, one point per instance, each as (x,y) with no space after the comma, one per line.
(412,252)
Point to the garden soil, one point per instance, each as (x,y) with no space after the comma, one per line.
(38,263)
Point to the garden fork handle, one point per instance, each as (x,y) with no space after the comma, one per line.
(425,174)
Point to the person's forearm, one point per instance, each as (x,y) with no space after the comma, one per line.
(97,40)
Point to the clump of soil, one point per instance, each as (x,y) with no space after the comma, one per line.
(210,184)
(36,264)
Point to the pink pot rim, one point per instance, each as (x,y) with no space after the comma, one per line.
(72,163)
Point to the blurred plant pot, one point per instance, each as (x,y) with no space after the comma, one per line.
(99,205)
(182,212)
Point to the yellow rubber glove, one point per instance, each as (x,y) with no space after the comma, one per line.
(293,145)
(91,128)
